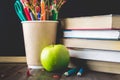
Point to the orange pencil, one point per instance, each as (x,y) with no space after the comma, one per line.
(43,12)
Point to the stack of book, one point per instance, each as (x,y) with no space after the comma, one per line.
(93,37)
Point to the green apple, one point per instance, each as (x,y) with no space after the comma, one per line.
(55,57)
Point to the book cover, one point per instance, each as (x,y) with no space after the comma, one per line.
(92,44)
(92,34)
(92,54)
(109,21)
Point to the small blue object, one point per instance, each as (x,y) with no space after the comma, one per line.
(38,15)
(70,72)
(80,72)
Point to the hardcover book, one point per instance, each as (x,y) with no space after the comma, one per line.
(92,34)
(92,54)
(92,44)
(109,21)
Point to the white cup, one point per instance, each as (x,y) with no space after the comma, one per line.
(37,35)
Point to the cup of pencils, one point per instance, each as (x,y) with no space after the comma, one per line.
(39,23)
(37,35)
(29,10)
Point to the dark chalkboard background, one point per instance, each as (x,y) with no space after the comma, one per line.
(11,36)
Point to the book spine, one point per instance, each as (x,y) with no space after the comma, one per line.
(92,34)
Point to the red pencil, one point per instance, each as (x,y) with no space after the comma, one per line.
(26,10)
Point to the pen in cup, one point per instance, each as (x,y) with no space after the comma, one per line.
(19,10)
(43,12)
(32,16)
(38,16)
(37,11)
(26,10)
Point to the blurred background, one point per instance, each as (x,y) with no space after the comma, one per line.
(11,35)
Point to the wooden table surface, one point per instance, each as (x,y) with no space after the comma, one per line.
(17,71)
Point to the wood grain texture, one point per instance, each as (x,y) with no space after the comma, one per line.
(12,59)
(15,71)
(100,66)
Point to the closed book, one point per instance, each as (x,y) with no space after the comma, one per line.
(109,21)
(92,34)
(92,44)
(96,65)
(92,54)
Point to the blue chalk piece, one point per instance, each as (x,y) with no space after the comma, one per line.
(70,72)
(80,72)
